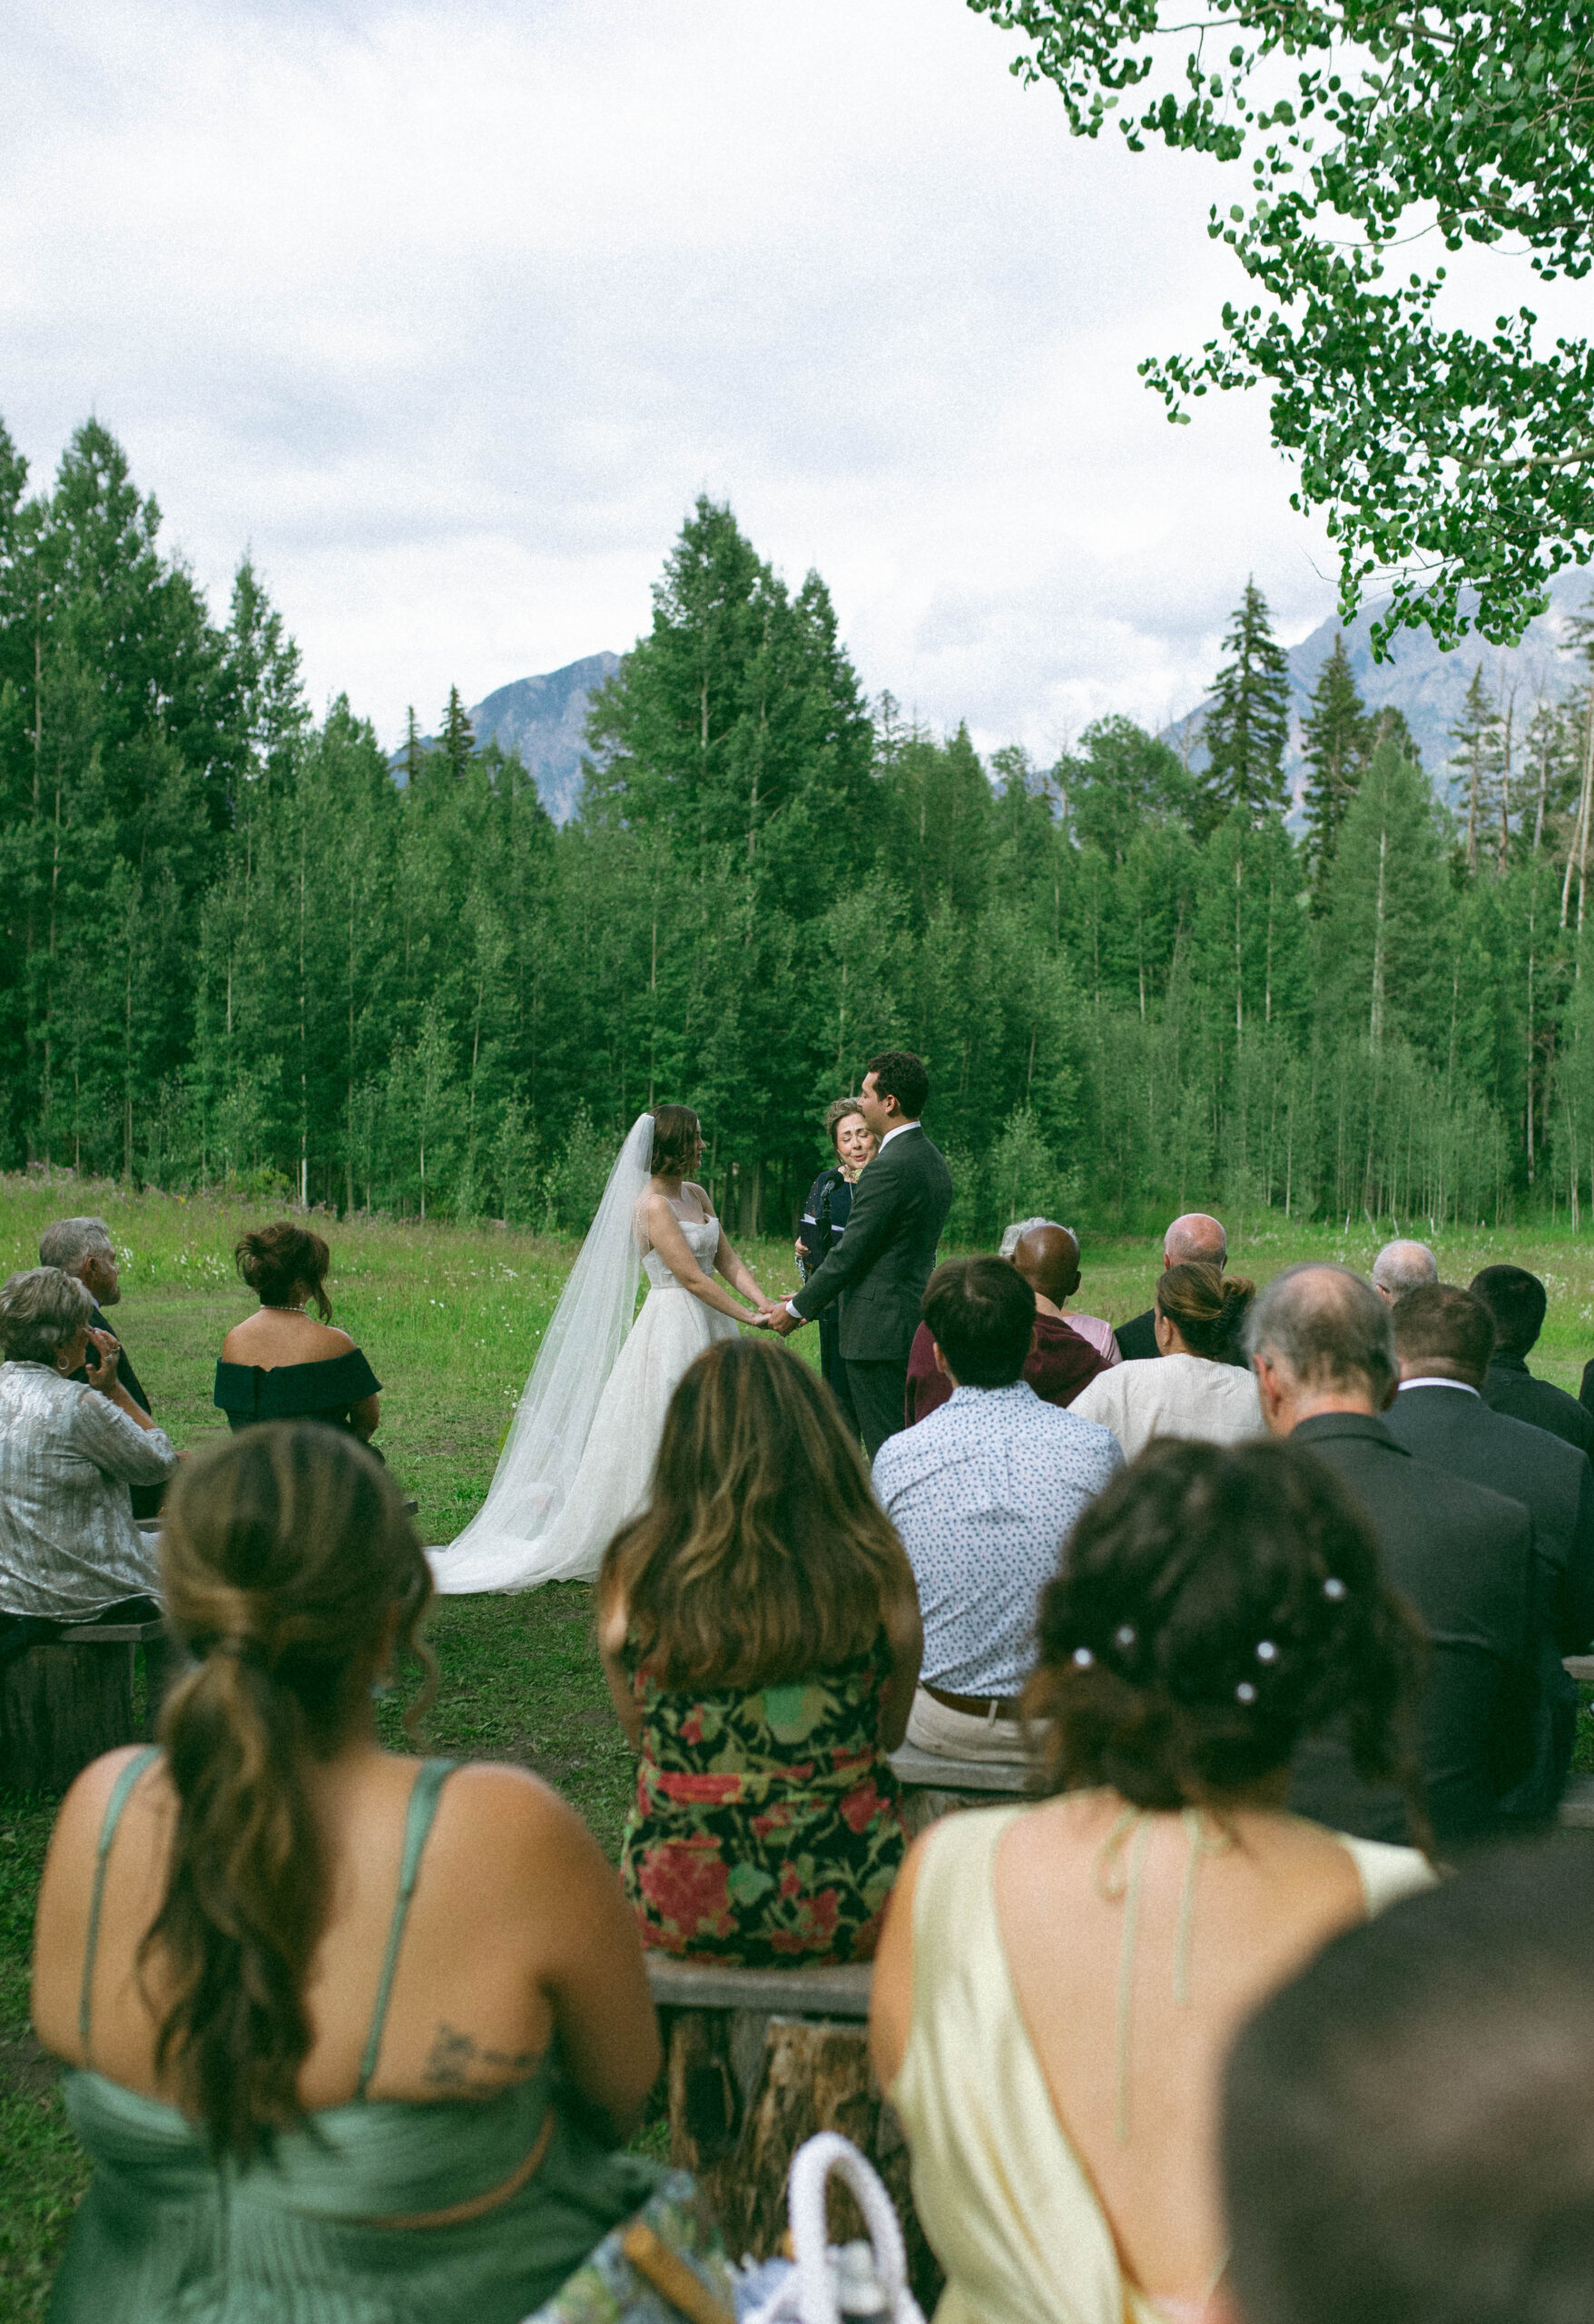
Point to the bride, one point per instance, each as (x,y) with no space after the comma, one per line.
(579,1454)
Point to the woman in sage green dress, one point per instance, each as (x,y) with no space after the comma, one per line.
(349,2036)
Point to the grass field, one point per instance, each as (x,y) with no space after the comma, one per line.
(451,1318)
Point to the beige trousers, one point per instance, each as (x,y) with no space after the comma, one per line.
(959,1735)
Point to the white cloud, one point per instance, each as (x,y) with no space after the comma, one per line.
(448,312)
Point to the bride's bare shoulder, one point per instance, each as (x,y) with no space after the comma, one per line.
(700,1195)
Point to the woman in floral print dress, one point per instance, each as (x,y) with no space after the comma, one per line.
(761,1637)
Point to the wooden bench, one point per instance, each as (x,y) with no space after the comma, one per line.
(933,1786)
(758,2060)
(66,1700)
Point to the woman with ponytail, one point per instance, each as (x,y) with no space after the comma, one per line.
(349,2035)
(1197,1385)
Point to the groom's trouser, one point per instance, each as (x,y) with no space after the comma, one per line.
(879,1399)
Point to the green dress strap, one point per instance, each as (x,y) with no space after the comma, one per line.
(418,1823)
(114,1808)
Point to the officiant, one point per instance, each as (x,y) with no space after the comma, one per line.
(878,1268)
(825,1222)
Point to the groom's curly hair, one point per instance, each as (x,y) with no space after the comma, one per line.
(764,1554)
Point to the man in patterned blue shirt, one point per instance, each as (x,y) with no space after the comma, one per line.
(984,1493)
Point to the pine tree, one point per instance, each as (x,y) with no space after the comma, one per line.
(1248,726)
(457,744)
(415,750)
(1474,735)
(1333,742)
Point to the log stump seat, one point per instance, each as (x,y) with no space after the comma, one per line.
(70,1697)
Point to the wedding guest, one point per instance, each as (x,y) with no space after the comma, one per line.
(1406,2130)
(1443,1341)
(1048,1257)
(1087,1962)
(760,1633)
(348,2034)
(281,1364)
(1401,1268)
(983,1494)
(825,1222)
(69,1450)
(1194,1388)
(1322,1344)
(1517,1301)
(1194,1237)
(82,1247)
(1061,1360)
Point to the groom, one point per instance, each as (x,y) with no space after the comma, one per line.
(884,1259)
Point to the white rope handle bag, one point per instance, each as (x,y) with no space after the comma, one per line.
(825,2276)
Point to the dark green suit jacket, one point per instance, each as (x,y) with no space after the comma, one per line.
(881,1266)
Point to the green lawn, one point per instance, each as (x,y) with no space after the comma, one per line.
(451,1318)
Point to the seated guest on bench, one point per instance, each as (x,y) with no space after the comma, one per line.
(1193,1387)
(1051,1269)
(69,1451)
(1061,1360)
(984,1493)
(348,2035)
(1406,2130)
(282,1364)
(1058,1985)
(761,1637)
(82,1247)
(1517,1301)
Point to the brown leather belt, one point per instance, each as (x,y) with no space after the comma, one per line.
(974,1706)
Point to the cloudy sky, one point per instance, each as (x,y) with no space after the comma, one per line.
(447,311)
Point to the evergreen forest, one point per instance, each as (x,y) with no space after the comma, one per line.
(242,951)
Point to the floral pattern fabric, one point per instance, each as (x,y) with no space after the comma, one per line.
(767,1828)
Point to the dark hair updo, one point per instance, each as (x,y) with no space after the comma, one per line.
(273,1259)
(1217,1605)
(676,1136)
(1206,1308)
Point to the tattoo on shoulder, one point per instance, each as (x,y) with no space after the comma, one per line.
(458,2062)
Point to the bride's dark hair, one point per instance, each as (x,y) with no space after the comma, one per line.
(676,1134)
(764,1554)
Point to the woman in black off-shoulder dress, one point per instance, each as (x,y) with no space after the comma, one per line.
(280,1363)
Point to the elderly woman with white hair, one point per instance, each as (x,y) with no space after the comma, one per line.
(69,1452)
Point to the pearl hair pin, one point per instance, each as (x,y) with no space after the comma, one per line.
(1245,1692)
(1334,1588)
(1083,1657)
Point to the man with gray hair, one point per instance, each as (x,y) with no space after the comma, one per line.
(82,1247)
(1401,1268)
(1193,1236)
(1322,1344)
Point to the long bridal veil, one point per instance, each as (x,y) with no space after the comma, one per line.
(499,1549)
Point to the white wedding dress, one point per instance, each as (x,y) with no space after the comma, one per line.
(578,1459)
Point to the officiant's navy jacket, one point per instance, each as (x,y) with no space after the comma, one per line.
(881,1266)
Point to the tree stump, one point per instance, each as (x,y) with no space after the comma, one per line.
(64,1702)
(750,2079)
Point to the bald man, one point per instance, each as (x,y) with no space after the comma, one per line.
(1401,1268)
(1195,1236)
(1062,1361)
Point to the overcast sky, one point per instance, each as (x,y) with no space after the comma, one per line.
(447,312)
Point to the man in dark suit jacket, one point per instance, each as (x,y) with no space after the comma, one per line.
(82,1247)
(886,1256)
(1323,1352)
(1443,1339)
(1517,1301)
(1193,1237)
